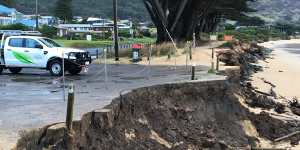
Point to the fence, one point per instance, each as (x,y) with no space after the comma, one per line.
(98,51)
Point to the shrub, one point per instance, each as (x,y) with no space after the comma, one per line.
(146,33)
(48,31)
(163,49)
(29,139)
(17,26)
(251,33)
(124,33)
(229,27)
(228,44)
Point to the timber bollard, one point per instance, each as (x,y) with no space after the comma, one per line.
(212,58)
(70,107)
(169,55)
(193,72)
(191,52)
(218,63)
(212,53)
(97,53)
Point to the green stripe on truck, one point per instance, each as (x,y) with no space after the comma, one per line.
(22,57)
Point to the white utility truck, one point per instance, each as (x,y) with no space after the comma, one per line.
(23,51)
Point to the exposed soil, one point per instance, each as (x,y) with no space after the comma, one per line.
(191,115)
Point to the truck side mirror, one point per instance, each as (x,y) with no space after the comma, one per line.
(39,46)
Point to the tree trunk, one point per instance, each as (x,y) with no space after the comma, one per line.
(181,18)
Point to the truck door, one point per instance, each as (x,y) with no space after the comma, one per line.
(14,54)
(34,49)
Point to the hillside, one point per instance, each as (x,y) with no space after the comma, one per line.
(127,8)
(287,11)
(269,10)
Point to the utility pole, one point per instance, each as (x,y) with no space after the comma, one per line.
(116,37)
(36,16)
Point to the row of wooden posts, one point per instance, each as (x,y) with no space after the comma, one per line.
(71,95)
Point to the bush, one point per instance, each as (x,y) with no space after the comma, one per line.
(251,33)
(227,45)
(17,26)
(48,31)
(163,49)
(146,33)
(108,35)
(124,33)
(229,27)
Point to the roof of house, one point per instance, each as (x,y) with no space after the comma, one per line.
(74,26)
(7,10)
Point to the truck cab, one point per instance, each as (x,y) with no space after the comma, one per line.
(19,52)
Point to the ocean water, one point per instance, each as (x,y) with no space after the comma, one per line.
(292,48)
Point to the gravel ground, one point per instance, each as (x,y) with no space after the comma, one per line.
(34,98)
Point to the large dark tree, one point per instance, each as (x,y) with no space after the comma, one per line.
(63,10)
(182,18)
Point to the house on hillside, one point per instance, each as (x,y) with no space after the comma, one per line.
(12,16)
(105,26)
(9,15)
(43,20)
(94,20)
(67,29)
(5,20)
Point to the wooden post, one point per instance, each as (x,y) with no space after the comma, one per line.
(193,72)
(70,108)
(213,53)
(97,53)
(194,40)
(169,55)
(190,51)
(116,36)
(218,63)
(212,57)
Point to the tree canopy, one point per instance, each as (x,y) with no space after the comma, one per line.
(63,10)
(182,18)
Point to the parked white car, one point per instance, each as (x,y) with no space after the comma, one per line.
(19,52)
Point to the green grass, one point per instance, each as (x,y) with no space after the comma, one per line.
(100,43)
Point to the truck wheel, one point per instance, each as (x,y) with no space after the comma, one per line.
(56,68)
(15,70)
(75,70)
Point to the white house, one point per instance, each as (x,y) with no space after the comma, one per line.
(12,16)
(43,20)
(9,15)
(5,20)
(65,29)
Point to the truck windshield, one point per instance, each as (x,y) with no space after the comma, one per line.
(50,43)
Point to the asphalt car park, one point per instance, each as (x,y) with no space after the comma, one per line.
(34,98)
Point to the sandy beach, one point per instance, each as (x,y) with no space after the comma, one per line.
(282,69)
